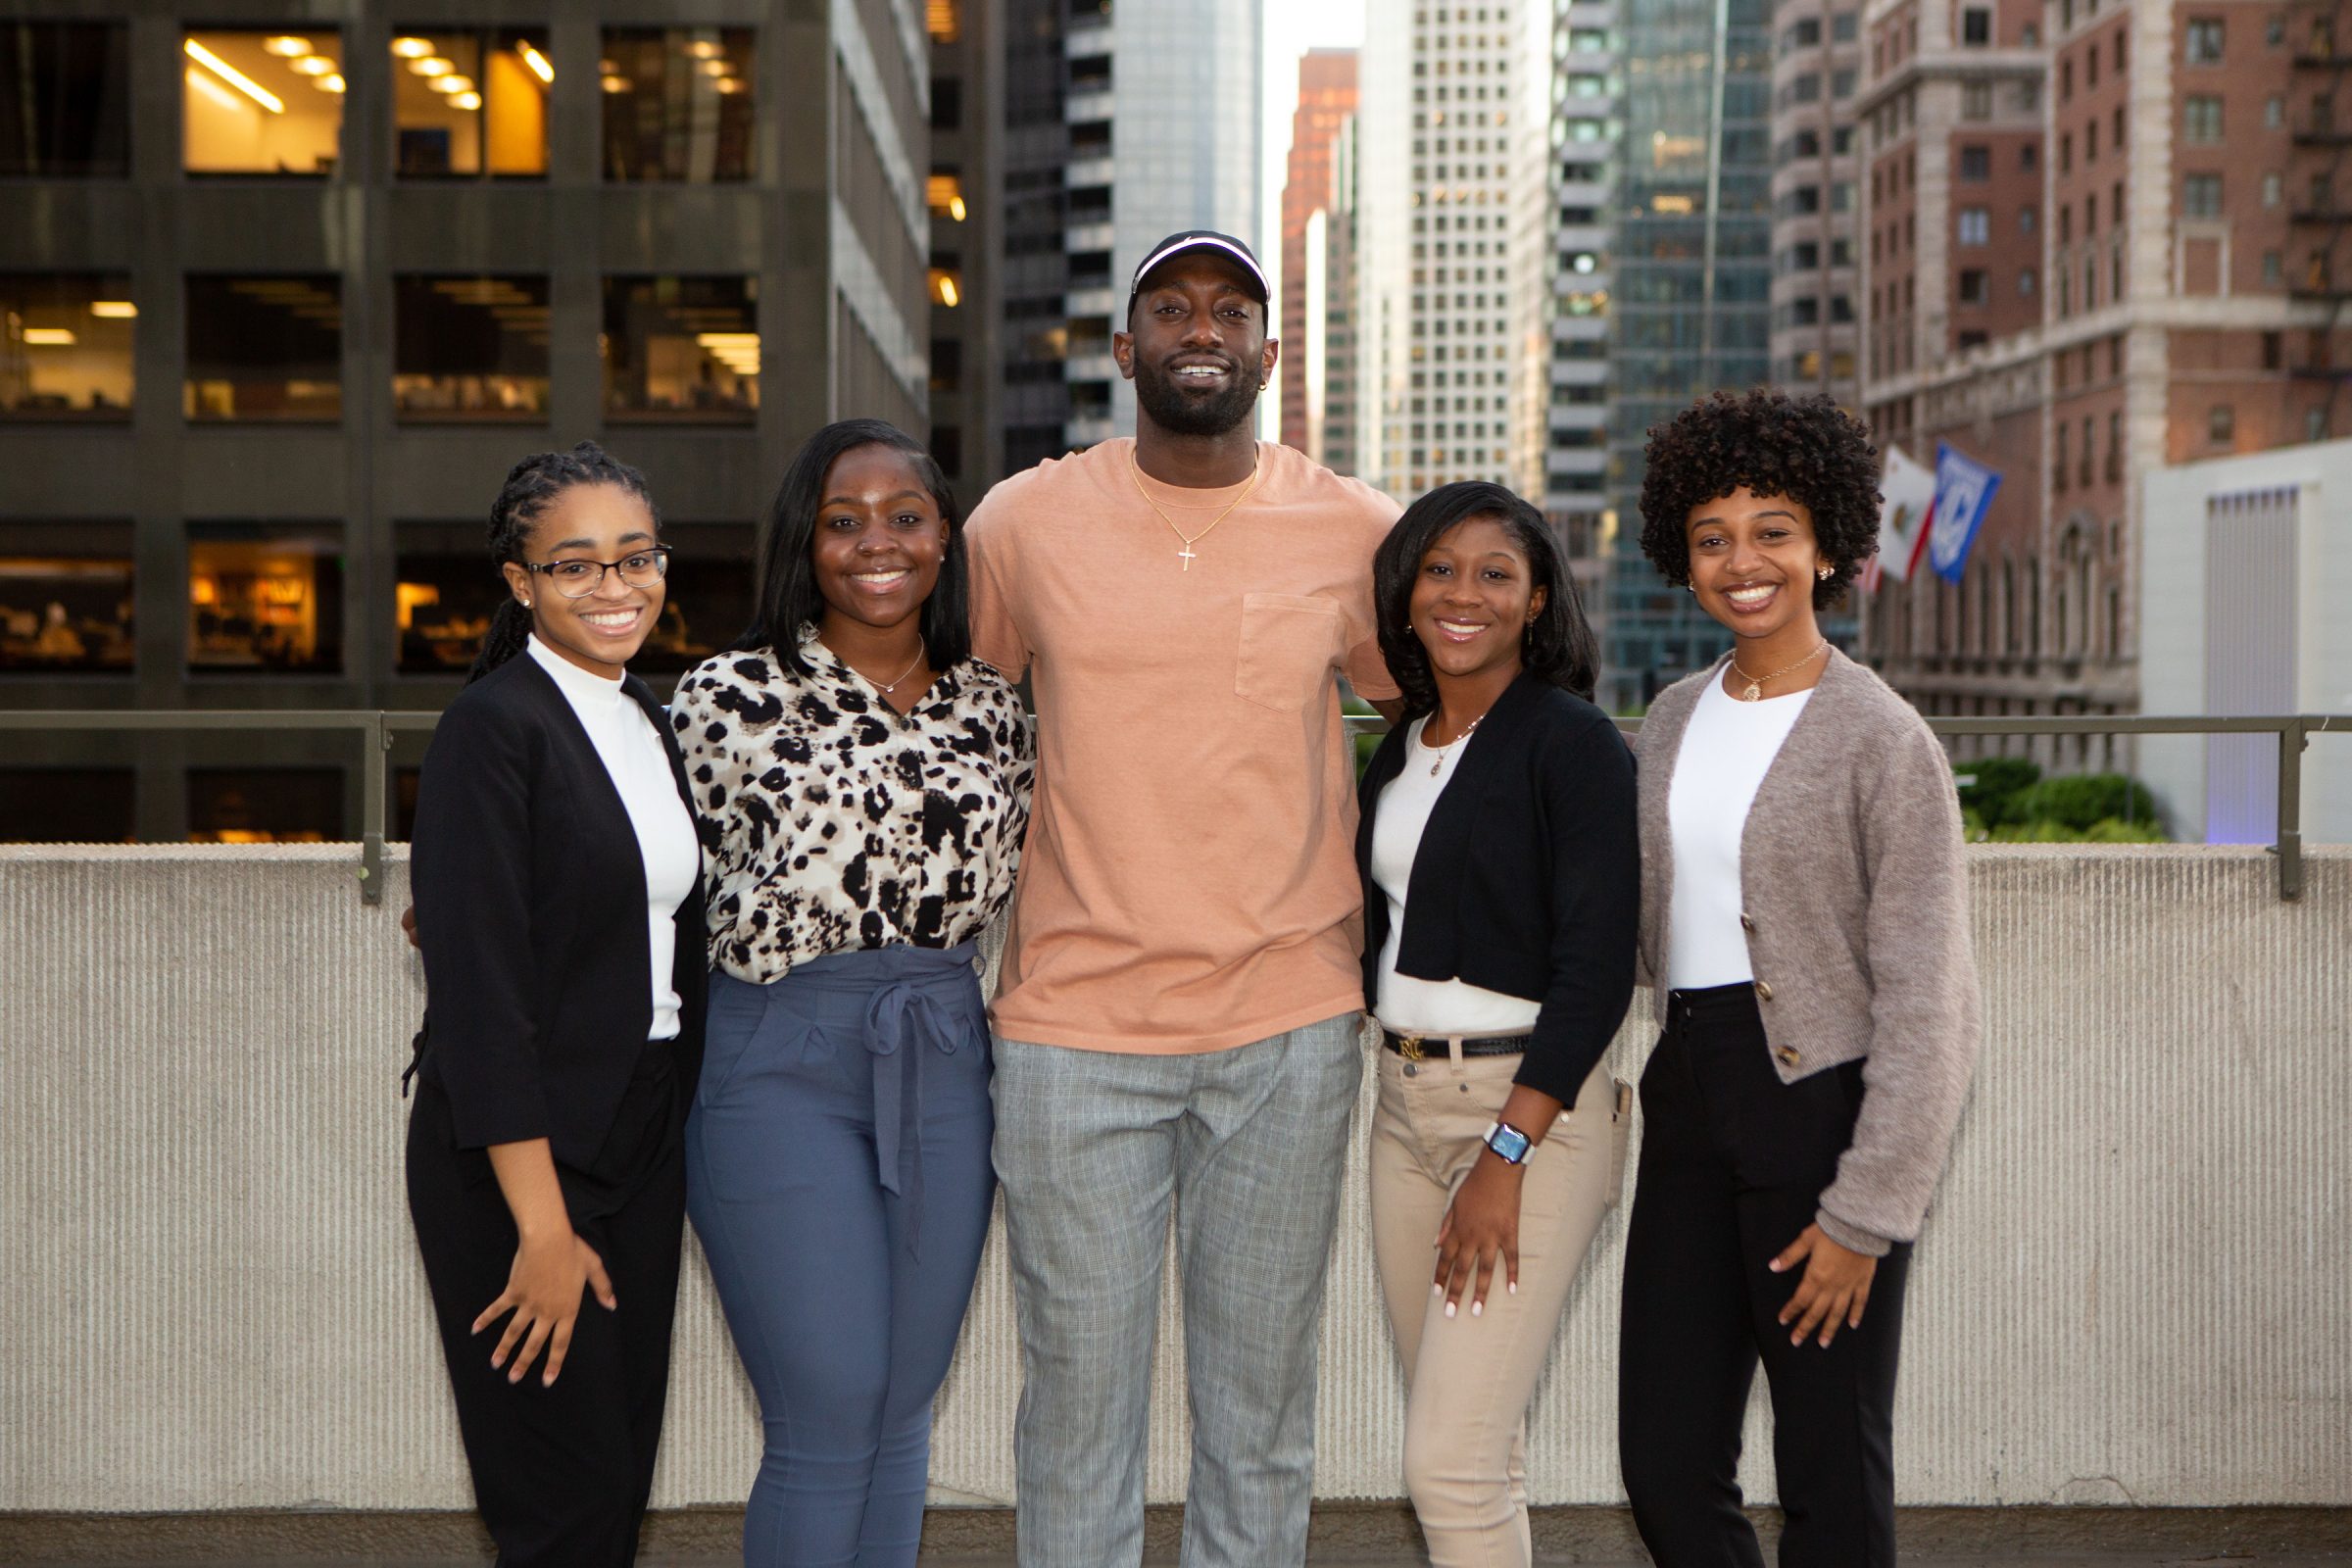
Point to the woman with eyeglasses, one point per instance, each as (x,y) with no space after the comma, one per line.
(864,785)
(1502,882)
(559,907)
(1804,916)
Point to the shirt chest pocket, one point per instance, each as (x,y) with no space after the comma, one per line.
(1290,643)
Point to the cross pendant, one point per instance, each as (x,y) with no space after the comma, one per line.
(1185,556)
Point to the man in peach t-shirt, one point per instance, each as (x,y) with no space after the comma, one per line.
(1177,1021)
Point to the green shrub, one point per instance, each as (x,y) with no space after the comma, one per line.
(2080,800)
(2115,830)
(2035,833)
(1998,782)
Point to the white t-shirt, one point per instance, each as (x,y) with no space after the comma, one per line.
(638,763)
(1727,749)
(1411,1007)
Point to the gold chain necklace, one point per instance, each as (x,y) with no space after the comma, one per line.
(1186,555)
(1443,752)
(1754,692)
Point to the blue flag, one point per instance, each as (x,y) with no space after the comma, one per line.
(1964,489)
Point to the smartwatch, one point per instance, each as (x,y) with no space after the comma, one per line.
(1510,1144)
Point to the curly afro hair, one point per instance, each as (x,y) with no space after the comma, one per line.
(1771,444)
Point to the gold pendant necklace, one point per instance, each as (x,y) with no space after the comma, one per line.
(1185,554)
(1753,691)
(1443,752)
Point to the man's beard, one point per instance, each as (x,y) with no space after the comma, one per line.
(1180,414)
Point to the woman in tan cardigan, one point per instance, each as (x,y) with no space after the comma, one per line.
(1804,919)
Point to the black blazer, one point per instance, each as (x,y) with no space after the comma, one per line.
(1528,879)
(530,908)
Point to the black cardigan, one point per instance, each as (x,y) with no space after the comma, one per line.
(530,908)
(1528,877)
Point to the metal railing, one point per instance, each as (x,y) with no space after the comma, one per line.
(373,732)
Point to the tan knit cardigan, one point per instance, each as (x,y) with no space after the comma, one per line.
(1856,913)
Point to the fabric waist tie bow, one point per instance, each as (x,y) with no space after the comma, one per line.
(909,1016)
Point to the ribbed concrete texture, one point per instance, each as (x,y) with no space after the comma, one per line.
(2134,1290)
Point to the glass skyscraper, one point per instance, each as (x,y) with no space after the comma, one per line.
(1691,308)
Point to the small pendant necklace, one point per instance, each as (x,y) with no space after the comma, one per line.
(892,684)
(1446,750)
(1753,691)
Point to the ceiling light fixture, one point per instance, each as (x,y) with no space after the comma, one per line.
(234,77)
(469,101)
(617,84)
(288,47)
(334,83)
(431,66)
(313,66)
(536,61)
(411,48)
(49,337)
(113,310)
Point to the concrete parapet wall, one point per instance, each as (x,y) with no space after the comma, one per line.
(2135,1287)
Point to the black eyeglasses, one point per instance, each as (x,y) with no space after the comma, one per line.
(577,579)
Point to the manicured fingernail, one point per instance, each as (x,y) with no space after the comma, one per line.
(1514,1287)
(1437,1290)
(1478,1308)
(1450,1309)
(1774,1265)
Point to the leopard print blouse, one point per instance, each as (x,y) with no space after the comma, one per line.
(830,823)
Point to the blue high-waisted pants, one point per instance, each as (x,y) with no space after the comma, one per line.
(837,1167)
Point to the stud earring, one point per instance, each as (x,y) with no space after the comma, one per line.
(526,604)
(1826,572)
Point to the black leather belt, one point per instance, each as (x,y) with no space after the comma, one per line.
(1421,1047)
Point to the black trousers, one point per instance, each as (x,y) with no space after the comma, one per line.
(560,1474)
(1734,1164)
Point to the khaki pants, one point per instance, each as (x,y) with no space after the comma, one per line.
(1470,1378)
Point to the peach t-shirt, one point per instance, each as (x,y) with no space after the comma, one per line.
(1189,882)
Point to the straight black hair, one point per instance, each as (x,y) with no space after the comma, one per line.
(532,486)
(1558,646)
(787,596)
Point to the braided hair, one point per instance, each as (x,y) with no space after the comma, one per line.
(532,486)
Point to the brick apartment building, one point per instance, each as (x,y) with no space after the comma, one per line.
(1326,100)
(2099,237)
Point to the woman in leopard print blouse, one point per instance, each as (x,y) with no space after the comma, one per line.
(864,787)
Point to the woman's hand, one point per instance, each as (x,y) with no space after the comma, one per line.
(552,1268)
(1479,1238)
(1834,1289)
(543,1291)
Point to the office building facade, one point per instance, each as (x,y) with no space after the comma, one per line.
(1326,103)
(1588,85)
(1691,307)
(1816,207)
(1161,104)
(283,301)
(1454,258)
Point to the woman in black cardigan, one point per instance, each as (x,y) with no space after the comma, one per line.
(1501,890)
(560,908)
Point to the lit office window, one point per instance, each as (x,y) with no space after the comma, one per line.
(65,100)
(264,805)
(469,348)
(67,805)
(66,598)
(677,103)
(445,589)
(470,103)
(65,346)
(261,103)
(265,348)
(264,598)
(682,348)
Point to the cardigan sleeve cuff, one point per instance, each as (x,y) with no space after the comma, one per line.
(1850,1238)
